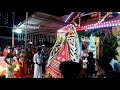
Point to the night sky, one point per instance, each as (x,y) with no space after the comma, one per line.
(6,20)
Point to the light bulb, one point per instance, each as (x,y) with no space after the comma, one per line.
(118,12)
(18,30)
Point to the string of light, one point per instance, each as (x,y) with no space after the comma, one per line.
(101,25)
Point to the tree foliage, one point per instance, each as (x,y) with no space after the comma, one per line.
(109,41)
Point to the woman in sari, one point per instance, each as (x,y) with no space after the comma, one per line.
(10,65)
(17,68)
(23,64)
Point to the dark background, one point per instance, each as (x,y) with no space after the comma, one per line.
(6,22)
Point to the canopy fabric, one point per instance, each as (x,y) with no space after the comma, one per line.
(41,23)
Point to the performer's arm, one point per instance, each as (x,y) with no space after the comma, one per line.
(6,60)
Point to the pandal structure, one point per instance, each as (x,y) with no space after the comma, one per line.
(66,48)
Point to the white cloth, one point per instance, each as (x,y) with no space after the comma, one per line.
(84,54)
(37,69)
(10,73)
(85,63)
(113,61)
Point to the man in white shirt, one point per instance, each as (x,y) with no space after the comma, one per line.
(115,65)
(38,60)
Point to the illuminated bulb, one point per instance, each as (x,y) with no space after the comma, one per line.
(112,21)
(106,22)
(107,25)
(118,20)
(118,12)
(18,31)
(115,21)
(75,24)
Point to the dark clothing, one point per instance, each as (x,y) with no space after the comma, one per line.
(30,59)
(70,69)
(108,71)
(91,65)
(117,67)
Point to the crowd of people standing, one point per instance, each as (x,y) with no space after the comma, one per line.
(106,67)
(21,62)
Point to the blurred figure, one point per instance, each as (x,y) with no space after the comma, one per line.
(104,70)
(70,69)
(84,53)
(5,52)
(38,60)
(115,65)
(17,68)
(29,61)
(91,65)
(10,64)
(23,60)
(0,51)
(84,63)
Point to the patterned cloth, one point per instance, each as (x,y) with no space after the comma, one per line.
(63,55)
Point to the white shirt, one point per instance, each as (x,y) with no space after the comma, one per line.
(85,63)
(38,58)
(84,54)
(113,61)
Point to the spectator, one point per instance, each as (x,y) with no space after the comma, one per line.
(38,60)
(91,64)
(70,69)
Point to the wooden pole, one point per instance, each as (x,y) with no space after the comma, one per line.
(26,30)
(13,18)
